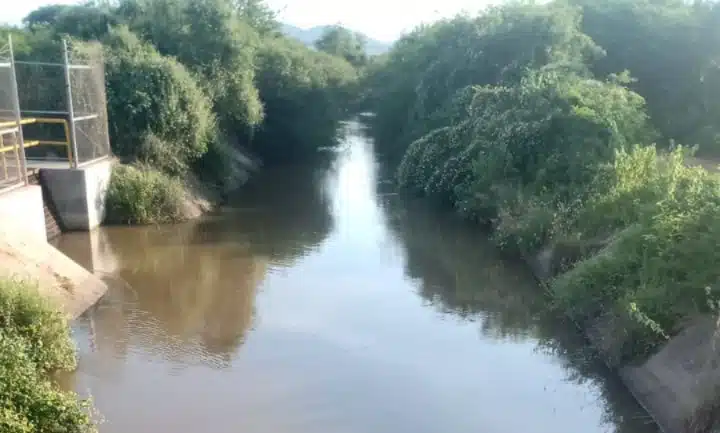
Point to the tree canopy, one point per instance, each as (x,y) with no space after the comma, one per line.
(185,76)
(341,42)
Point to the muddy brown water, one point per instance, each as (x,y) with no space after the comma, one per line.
(318,301)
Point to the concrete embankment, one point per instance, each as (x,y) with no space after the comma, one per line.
(72,288)
(26,254)
(679,385)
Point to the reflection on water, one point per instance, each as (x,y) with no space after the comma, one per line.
(459,272)
(319,302)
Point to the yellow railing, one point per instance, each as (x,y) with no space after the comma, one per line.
(11,128)
(4,149)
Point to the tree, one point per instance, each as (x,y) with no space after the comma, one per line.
(258,14)
(210,39)
(299,87)
(341,42)
(671,48)
(45,15)
(420,76)
(81,21)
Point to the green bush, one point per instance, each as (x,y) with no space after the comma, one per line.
(155,152)
(303,93)
(548,136)
(671,48)
(661,265)
(180,73)
(154,99)
(213,40)
(27,315)
(143,195)
(426,68)
(34,341)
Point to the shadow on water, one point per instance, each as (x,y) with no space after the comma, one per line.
(283,213)
(459,273)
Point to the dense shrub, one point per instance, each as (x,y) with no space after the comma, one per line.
(298,89)
(211,38)
(25,314)
(426,68)
(663,257)
(550,134)
(143,195)
(156,108)
(185,77)
(34,341)
(671,47)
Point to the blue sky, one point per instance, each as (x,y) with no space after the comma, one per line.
(381,19)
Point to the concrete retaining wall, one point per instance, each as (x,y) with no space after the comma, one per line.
(21,211)
(72,288)
(681,381)
(678,385)
(78,195)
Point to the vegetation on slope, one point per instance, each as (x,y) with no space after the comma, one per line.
(34,342)
(540,121)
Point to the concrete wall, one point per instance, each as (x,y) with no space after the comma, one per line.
(79,194)
(71,287)
(678,385)
(21,211)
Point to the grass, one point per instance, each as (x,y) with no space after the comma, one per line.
(34,342)
(658,269)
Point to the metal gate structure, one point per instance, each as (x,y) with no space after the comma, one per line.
(53,114)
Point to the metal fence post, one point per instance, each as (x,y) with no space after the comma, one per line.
(71,110)
(18,119)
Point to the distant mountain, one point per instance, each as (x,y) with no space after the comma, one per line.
(309,36)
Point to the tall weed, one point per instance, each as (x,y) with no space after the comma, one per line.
(664,216)
(143,195)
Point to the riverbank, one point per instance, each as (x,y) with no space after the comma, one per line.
(573,163)
(630,256)
(678,384)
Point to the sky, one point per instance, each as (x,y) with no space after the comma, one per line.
(384,20)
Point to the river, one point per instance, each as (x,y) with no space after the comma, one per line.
(318,301)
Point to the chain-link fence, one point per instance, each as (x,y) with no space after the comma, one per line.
(62,107)
(89,104)
(11,168)
(44,109)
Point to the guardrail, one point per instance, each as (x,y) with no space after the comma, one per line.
(11,127)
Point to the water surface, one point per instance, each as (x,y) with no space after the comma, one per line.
(319,301)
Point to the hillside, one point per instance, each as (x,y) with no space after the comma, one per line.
(309,36)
